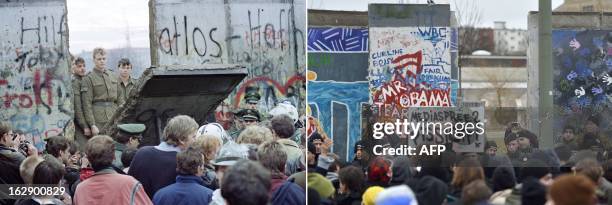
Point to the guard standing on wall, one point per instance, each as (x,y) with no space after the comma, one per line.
(82,131)
(101,93)
(127,82)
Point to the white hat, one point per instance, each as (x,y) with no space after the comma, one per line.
(285,109)
(214,129)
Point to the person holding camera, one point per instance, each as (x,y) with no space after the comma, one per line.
(13,146)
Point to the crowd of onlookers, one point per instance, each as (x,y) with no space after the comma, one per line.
(192,164)
(577,171)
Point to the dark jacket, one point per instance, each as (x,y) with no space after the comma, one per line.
(402,171)
(9,174)
(188,189)
(276,182)
(533,192)
(210,178)
(154,168)
(503,178)
(429,190)
(354,198)
(289,193)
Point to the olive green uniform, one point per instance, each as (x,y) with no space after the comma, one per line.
(79,117)
(127,88)
(101,95)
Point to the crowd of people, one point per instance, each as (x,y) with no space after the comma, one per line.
(576,171)
(192,165)
(260,159)
(270,158)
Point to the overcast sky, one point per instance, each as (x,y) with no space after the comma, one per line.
(513,12)
(106,23)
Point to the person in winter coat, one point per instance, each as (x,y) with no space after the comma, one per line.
(402,171)
(351,186)
(106,186)
(272,156)
(189,187)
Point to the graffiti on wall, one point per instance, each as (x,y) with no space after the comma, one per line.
(410,67)
(335,39)
(266,38)
(338,77)
(582,75)
(583,65)
(186,35)
(342,95)
(35,89)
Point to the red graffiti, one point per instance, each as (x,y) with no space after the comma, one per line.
(412,98)
(52,132)
(390,92)
(406,60)
(25,99)
(281,88)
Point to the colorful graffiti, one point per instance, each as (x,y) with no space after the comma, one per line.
(266,40)
(583,70)
(335,39)
(410,67)
(35,89)
(582,76)
(293,90)
(346,95)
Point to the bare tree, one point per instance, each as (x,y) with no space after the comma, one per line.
(469,16)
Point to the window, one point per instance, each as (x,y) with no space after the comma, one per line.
(588,8)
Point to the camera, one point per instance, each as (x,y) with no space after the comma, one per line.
(23,146)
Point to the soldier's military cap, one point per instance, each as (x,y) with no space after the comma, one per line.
(250,114)
(132,128)
(252,98)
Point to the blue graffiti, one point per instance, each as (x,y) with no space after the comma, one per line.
(350,93)
(572,75)
(454,87)
(32,124)
(338,39)
(597,90)
(433,34)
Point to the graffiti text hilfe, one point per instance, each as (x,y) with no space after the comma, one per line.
(35,90)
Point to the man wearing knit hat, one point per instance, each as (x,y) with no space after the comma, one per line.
(592,133)
(491,147)
(320,184)
(511,141)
